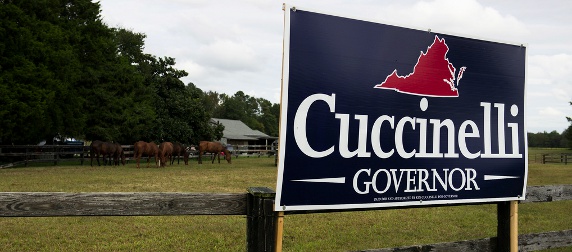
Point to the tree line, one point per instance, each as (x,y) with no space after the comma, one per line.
(551,139)
(65,73)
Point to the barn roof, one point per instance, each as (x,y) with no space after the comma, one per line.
(236,129)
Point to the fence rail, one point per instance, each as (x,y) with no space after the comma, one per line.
(24,154)
(43,204)
(526,242)
(256,204)
(14,155)
(564,158)
(550,158)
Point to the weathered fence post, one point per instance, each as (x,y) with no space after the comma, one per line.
(260,219)
(26,158)
(82,153)
(275,156)
(56,155)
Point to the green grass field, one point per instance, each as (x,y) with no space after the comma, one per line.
(345,231)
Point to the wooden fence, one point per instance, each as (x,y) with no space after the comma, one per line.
(563,158)
(550,158)
(256,205)
(25,154)
(252,150)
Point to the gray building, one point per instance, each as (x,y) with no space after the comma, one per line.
(237,133)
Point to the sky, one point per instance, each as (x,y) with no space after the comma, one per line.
(236,45)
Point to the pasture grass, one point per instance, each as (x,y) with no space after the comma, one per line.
(342,231)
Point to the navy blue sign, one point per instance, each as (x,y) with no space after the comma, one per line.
(375,115)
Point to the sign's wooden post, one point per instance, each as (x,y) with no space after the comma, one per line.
(260,219)
(514,226)
(507,228)
(279,231)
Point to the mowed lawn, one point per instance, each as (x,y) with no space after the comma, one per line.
(345,231)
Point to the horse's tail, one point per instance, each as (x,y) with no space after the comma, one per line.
(135,149)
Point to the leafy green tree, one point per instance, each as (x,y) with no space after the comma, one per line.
(200,116)
(568,132)
(269,116)
(63,72)
(131,101)
(257,113)
(164,79)
(119,104)
(548,139)
(180,114)
(39,69)
(564,142)
(211,102)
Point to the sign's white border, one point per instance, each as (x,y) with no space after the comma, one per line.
(283,132)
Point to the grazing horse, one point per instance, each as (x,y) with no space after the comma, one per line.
(165,153)
(180,150)
(105,149)
(144,148)
(213,147)
(119,154)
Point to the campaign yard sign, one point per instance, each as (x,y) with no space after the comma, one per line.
(376,115)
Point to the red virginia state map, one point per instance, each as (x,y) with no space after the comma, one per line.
(433,75)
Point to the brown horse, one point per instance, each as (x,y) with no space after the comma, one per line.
(144,148)
(105,149)
(119,154)
(213,147)
(165,153)
(180,150)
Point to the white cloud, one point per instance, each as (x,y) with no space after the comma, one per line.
(550,78)
(194,70)
(227,45)
(550,111)
(229,55)
(552,66)
(548,119)
(468,18)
